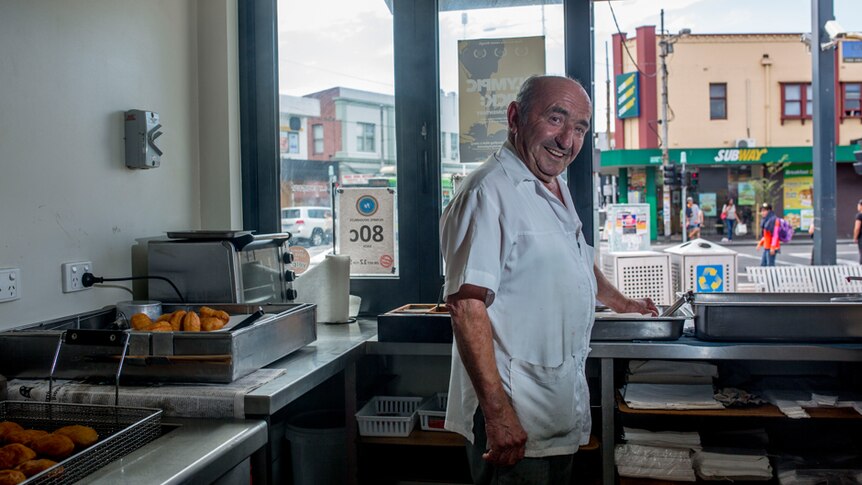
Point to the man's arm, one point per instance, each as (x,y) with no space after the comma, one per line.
(616,301)
(474,338)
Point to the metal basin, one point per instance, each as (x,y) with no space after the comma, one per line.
(777,317)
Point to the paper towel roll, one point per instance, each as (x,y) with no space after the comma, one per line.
(327,285)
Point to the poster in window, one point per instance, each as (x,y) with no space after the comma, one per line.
(707,204)
(490,73)
(799,196)
(365,230)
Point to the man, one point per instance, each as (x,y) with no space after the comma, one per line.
(693,218)
(769,224)
(521,287)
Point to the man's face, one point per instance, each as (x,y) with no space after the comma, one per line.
(550,136)
(764,211)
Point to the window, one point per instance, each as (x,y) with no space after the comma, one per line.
(317,135)
(718,101)
(442,145)
(292,142)
(365,139)
(797,101)
(851,100)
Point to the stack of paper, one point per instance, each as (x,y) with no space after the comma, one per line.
(671,372)
(667,439)
(670,396)
(654,462)
(732,465)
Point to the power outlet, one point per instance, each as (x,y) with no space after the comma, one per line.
(72,273)
(10,284)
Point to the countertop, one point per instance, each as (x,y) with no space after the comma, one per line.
(195,451)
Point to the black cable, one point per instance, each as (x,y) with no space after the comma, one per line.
(89,280)
(625,45)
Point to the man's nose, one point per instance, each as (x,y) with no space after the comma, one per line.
(565,138)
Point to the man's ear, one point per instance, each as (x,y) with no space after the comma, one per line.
(513,116)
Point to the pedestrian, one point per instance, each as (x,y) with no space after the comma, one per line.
(521,289)
(857,227)
(693,218)
(769,224)
(728,215)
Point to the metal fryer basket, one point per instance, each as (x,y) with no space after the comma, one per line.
(121,431)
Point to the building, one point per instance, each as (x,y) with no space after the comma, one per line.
(304,182)
(740,109)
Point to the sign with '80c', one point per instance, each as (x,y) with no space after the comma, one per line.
(365,230)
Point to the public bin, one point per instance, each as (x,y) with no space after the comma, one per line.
(703,267)
(639,274)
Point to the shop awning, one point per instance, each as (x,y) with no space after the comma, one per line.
(720,156)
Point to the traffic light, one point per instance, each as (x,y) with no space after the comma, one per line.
(669,174)
(695,179)
(687,180)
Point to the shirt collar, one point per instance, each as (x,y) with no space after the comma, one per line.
(513,167)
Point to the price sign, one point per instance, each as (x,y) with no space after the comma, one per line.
(365,230)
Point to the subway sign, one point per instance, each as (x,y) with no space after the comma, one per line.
(751,155)
(720,156)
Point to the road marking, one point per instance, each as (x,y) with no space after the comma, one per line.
(777,262)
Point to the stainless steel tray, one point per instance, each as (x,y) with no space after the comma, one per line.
(221,356)
(121,430)
(778,317)
(611,326)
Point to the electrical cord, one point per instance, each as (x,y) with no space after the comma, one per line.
(89,280)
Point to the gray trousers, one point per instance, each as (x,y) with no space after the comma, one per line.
(550,470)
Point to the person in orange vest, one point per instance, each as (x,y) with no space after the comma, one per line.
(769,224)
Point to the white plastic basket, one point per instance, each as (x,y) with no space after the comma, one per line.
(432,413)
(388,416)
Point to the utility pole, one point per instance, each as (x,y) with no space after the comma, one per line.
(607,95)
(665,158)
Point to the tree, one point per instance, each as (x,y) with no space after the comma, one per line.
(769,187)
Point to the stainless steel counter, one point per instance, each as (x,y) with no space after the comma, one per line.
(335,347)
(197,451)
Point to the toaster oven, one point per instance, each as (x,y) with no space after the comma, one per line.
(221,267)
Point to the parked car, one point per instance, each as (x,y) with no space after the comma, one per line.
(310,226)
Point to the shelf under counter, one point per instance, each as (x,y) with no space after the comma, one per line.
(763,411)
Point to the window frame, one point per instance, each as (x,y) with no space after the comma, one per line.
(723,100)
(317,129)
(367,134)
(415,39)
(803,101)
(843,111)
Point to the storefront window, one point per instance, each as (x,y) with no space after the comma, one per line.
(336,82)
(475,62)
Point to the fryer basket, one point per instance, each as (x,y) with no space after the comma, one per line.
(121,430)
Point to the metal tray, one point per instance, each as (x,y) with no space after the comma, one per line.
(219,357)
(777,317)
(121,430)
(416,322)
(610,327)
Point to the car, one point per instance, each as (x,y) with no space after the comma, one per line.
(307,225)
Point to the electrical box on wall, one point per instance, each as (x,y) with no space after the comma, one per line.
(142,129)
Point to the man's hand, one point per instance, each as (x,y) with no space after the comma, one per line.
(644,306)
(506,437)
(772,252)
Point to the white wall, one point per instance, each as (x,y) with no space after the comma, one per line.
(68,70)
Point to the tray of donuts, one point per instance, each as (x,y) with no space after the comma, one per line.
(53,443)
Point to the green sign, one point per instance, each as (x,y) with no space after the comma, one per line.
(628,95)
(722,156)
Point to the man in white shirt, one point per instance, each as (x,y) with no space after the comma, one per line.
(521,287)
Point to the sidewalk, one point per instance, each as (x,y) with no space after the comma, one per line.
(800,240)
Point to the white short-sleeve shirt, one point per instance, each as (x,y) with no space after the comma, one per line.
(506,232)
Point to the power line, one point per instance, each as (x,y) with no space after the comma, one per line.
(338,73)
(625,45)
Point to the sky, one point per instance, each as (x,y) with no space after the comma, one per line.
(348,43)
